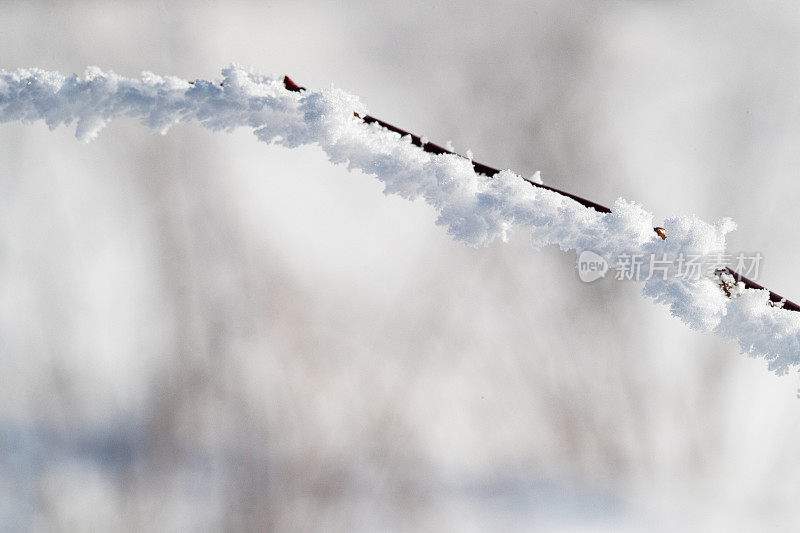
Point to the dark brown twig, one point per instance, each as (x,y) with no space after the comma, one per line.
(490,171)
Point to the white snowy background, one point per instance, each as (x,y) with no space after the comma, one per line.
(202,332)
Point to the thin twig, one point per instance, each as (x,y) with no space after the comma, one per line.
(490,171)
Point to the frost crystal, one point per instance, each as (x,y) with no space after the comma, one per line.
(474,208)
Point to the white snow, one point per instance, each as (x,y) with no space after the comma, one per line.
(474,208)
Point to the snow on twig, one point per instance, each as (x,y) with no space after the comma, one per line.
(475,209)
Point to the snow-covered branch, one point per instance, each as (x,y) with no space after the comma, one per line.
(474,208)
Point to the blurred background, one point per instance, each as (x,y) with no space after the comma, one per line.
(200,332)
